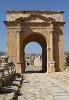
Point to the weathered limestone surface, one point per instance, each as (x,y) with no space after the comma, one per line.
(12,15)
(44,86)
(43,27)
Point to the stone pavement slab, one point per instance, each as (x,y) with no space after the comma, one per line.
(45,86)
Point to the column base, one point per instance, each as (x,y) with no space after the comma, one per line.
(52,66)
(18,67)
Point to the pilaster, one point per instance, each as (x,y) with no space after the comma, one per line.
(52,62)
(18,51)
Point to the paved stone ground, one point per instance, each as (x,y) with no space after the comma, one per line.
(33,68)
(44,86)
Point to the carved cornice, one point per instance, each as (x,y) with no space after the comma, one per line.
(17,23)
(58,23)
(34,12)
(13,23)
(9,23)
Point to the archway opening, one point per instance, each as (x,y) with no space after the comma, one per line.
(41,41)
(33,57)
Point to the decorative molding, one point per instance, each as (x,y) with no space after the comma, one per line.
(48,49)
(10,23)
(13,23)
(30,21)
(34,12)
(58,23)
(33,17)
(19,24)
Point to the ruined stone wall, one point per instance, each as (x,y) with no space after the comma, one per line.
(37,61)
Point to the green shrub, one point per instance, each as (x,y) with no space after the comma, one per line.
(67,61)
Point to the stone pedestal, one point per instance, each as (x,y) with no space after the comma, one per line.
(18,68)
(52,66)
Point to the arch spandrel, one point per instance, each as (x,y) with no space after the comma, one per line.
(36,37)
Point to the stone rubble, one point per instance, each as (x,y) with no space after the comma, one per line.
(11,90)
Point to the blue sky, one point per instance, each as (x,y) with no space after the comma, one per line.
(33,5)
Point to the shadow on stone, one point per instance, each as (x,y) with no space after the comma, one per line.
(34,71)
(6,90)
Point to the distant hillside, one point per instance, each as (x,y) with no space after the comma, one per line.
(2,53)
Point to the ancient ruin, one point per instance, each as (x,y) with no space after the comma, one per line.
(43,27)
(33,60)
(7,71)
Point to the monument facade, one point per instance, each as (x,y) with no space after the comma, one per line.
(43,27)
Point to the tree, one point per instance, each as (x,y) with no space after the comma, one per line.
(67,60)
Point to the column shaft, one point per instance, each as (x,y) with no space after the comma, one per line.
(52,62)
(18,48)
(19,64)
(51,45)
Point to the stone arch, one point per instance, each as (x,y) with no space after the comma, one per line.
(22,25)
(35,36)
(41,40)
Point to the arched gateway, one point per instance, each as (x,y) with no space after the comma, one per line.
(43,27)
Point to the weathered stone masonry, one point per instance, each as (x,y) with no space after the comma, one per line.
(43,27)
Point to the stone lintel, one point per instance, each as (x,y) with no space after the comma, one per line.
(52,66)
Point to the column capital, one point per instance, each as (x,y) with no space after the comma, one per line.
(19,31)
(52,66)
(51,27)
(48,49)
(19,62)
(51,24)
(51,31)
